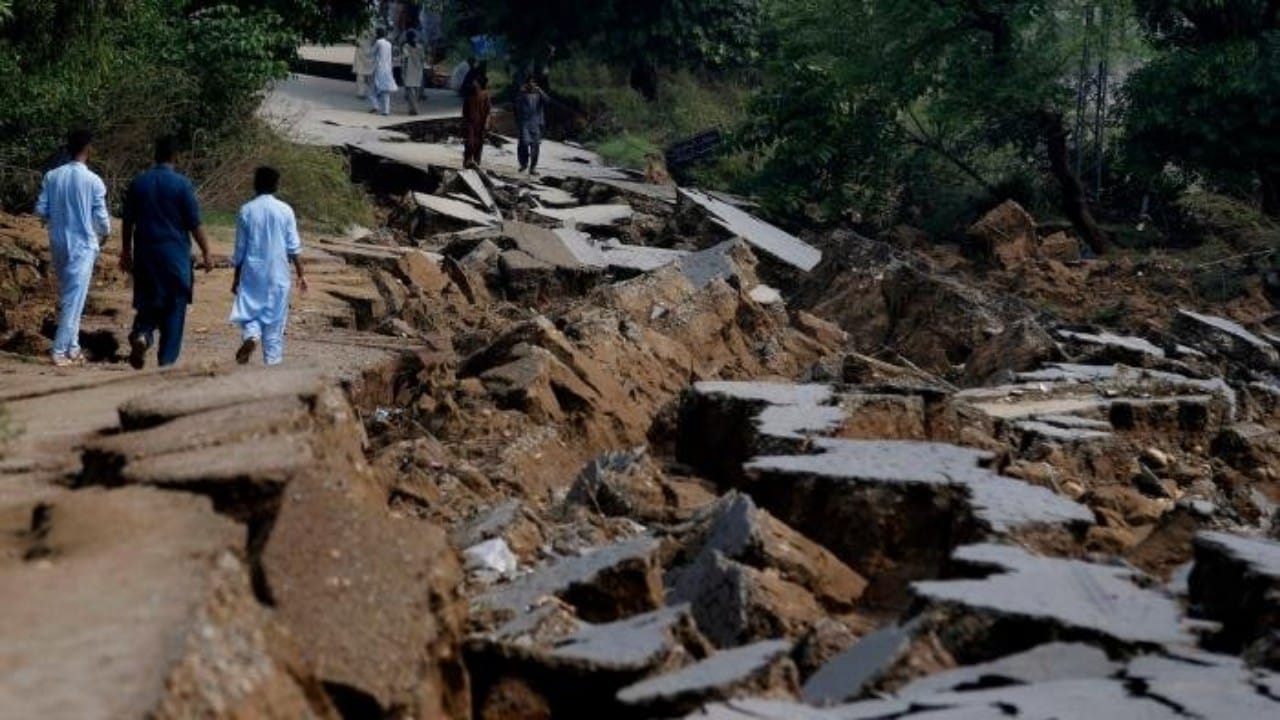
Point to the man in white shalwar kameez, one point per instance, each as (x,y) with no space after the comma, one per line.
(362,64)
(267,242)
(73,200)
(384,78)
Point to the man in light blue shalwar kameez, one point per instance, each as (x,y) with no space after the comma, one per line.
(384,78)
(73,201)
(267,242)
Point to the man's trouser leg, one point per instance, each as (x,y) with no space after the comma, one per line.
(172,321)
(144,324)
(273,341)
(411,94)
(73,291)
(373,99)
(384,102)
(522,151)
(535,149)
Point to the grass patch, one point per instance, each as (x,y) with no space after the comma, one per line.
(627,150)
(314,180)
(1239,225)
(624,127)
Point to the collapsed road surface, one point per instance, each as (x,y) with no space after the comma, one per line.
(582,447)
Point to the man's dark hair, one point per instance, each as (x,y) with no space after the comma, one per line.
(381,33)
(77,141)
(166,149)
(266,180)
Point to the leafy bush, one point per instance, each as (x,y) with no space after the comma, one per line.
(314,180)
(131,70)
(1236,223)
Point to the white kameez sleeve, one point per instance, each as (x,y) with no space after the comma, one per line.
(42,205)
(242,239)
(292,240)
(101,219)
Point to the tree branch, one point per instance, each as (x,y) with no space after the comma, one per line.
(922,138)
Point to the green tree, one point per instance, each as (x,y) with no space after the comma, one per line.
(1209,102)
(865,87)
(641,34)
(132,69)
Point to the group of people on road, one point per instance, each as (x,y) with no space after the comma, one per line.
(161,218)
(374,66)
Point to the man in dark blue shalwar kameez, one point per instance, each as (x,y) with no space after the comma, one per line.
(161,215)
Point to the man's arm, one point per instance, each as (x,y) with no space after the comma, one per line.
(293,246)
(237,255)
(126,245)
(191,208)
(297,266)
(101,219)
(206,260)
(42,205)
(128,222)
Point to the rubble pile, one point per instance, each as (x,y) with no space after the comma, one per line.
(639,464)
(708,502)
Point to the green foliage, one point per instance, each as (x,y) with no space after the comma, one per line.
(627,150)
(314,180)
(130,70)
(666,33)
(866,99)
(621,125)
(1209,102)
(1238,225)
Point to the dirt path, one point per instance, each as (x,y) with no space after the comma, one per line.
(53,410)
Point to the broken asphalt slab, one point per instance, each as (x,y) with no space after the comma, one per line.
(1101,601)
(762,669)
(134,603)
(605,584)
(762,236)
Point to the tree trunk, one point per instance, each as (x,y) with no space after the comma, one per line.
(1074,202)
(1269,179)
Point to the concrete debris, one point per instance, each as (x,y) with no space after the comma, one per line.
(553,196)
(630,484)
(1043,663)
(617,256)
(604,585)
(590,447)
(476,186)
(759,670)
(1236,582)
(762,236)
(589,217)
(579,672)
(454,210)
(740,531)
(851,673)
(1224,337)
(136,603)
(1102,601)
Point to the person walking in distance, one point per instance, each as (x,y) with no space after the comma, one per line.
(362,65)
(73,201)
(531,104)
(384,78)
(267,243)
(161,216)
(476,109)
(415,60)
